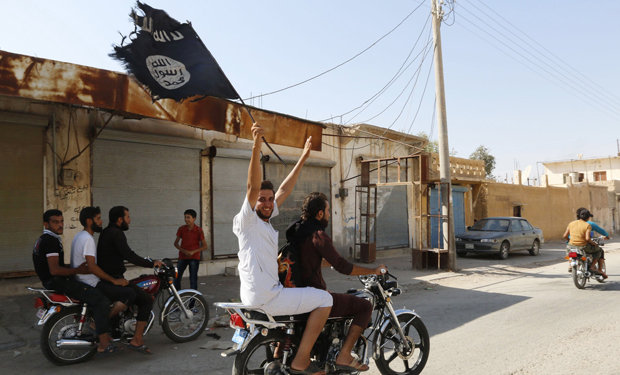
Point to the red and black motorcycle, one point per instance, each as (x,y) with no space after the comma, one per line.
(69,336)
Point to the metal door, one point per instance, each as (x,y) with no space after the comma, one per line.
(458,209)
(21,194)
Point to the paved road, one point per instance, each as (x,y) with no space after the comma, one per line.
(520,316)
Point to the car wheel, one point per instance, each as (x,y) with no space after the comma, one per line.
(462,254)
(503,250)
(535,250)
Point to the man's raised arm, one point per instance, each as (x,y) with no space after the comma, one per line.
(289,182)
(254,170)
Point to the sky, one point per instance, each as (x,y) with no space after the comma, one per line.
(530,80)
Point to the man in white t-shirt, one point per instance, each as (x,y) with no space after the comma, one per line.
(258,251)
(84,250)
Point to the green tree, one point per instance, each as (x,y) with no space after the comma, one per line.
(433,146)
(482,153)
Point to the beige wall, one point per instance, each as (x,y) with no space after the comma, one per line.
(549,208)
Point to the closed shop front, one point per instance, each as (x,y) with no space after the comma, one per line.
(229,179)
(392,225)
(156,177)
(21,189)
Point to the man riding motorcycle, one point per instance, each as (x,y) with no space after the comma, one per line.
(596,228)
(112,251)
(578,233)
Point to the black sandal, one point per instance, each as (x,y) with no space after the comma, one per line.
(111,348)
(312,369)
(142,348)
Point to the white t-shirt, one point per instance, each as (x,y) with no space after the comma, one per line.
(84,244)
(258,256)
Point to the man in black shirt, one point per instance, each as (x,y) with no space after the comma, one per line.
(112,251)
(49,263)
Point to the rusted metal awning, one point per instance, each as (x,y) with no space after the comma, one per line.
(60,82)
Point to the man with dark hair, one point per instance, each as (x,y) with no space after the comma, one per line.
(308,235)
(192,243)
(112,251)
(578,233)
(84,249)
(48,258)
(595,228)
(258,250)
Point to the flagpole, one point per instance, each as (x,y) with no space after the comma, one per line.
(238,96)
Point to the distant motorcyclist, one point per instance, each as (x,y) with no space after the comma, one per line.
(578,234)
(596,228)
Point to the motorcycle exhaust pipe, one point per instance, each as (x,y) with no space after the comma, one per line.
(74,344)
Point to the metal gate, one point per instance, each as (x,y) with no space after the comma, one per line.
(156,177)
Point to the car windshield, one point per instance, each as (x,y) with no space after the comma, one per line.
(493,225)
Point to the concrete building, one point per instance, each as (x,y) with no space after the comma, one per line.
(73,136)
(600,172)
(561,173)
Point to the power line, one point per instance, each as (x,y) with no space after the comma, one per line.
(342,63)
(428,75)
(535,61)
(573,90)
(416,75)
(554,67)
(396,75)
(584,77)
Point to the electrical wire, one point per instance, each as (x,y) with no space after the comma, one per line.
(396,75)
(342,63)
(533,62)
(584,78)
(528,50)
(428,75)
(416,75)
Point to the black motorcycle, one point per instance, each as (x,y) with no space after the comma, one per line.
(68,334)
(397,340)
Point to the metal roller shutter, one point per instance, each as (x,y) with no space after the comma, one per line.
(21,194)
(392,225)
(229,176)
(157,178)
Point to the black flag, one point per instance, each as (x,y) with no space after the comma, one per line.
(170,59)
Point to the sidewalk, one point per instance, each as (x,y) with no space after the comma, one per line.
(398,262)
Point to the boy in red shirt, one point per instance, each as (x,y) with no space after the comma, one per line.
(192,243)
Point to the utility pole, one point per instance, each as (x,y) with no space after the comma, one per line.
(447,226)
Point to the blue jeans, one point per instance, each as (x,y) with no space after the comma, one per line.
(193,272)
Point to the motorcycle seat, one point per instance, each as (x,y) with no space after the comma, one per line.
(57,297)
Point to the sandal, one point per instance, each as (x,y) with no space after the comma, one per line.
(111,348)
(353,366)
(141,349)
(312,369)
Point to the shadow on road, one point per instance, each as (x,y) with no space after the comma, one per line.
(440,313)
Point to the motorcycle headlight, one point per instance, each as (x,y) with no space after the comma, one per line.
(488,240)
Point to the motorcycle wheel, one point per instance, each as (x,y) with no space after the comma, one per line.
(391,359)
(258,357)
(64,325)
(179,327)
(579,274)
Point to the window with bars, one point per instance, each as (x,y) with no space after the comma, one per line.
(600,176)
